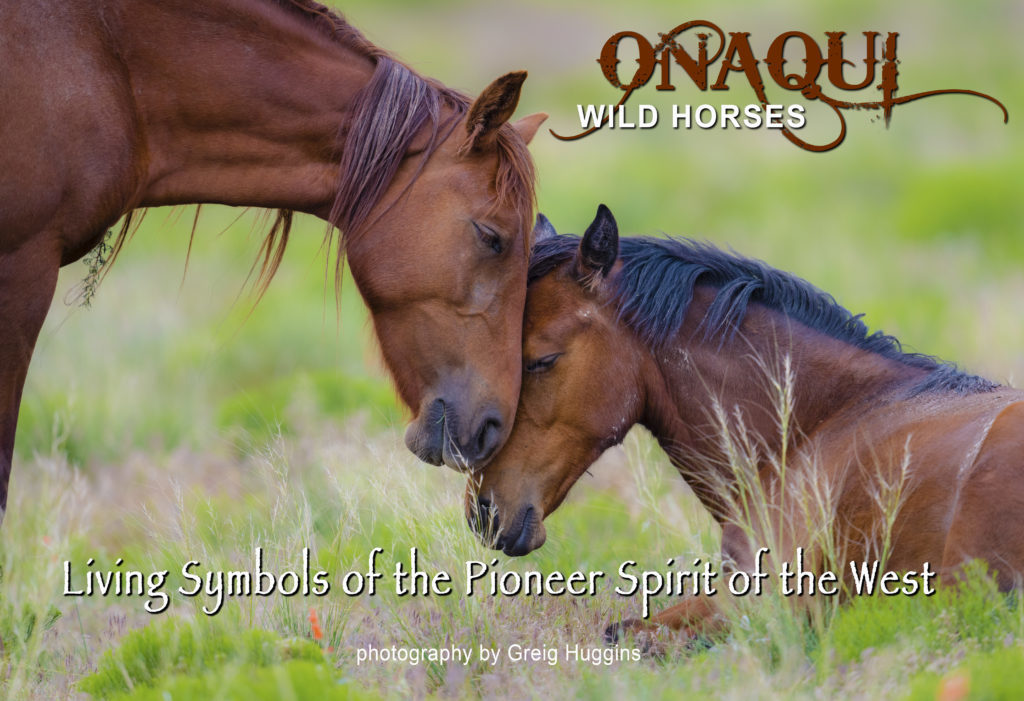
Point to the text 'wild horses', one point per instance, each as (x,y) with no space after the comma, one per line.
(792,424)
(113,105)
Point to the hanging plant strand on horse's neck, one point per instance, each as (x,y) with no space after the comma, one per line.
(96,262)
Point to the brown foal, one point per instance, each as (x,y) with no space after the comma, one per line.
(785,416)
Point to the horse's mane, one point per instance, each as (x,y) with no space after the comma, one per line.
(330,23)
(387,113)
(655,288)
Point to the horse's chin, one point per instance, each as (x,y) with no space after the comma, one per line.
(528,534)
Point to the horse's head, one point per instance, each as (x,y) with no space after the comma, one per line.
(581,388)
(444,276)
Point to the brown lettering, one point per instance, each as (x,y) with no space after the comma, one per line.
(776,62)
(739,46)
(836,61)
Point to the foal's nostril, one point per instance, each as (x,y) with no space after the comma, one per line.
(486,517)
(487,437)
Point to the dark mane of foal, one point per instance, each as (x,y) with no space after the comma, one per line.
(655,288)
(387,114)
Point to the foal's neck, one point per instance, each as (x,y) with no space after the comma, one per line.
(772,365)
(238,102)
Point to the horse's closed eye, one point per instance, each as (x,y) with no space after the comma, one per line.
(542,364)
(489,237)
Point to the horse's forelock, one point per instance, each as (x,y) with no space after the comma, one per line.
(516,180)
(551,253)
(387,115)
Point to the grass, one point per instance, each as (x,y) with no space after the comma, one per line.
(169,648)
(341,494)
(172,421)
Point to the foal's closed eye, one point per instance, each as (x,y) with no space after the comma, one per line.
(542,364)
(489,237)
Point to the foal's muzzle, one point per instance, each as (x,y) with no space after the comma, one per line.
(518,536)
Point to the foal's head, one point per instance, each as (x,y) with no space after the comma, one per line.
(581,387)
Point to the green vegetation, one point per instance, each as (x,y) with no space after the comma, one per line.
(289,680)
(984,676)
(332,394)
(175,421)
(974,611)
(148,655)
(177,661)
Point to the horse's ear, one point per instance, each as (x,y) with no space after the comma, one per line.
(492,109)
(599,248)
(543,229)
(528,125)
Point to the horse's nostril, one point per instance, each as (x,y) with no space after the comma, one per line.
(487,437)
(484,502)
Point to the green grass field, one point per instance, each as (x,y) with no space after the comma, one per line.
(175,421)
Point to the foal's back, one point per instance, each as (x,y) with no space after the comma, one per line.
(955,463)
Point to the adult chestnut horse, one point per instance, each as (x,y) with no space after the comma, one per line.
(113,105)
(787,419)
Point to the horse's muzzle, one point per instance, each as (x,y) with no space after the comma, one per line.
(437,437)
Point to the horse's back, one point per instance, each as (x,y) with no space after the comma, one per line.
(956,464)
(988,521)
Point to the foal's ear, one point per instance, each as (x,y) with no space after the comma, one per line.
(543,229)
(492,109)
(599,248)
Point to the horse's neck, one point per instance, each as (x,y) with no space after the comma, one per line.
(237,102)
(706,398)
